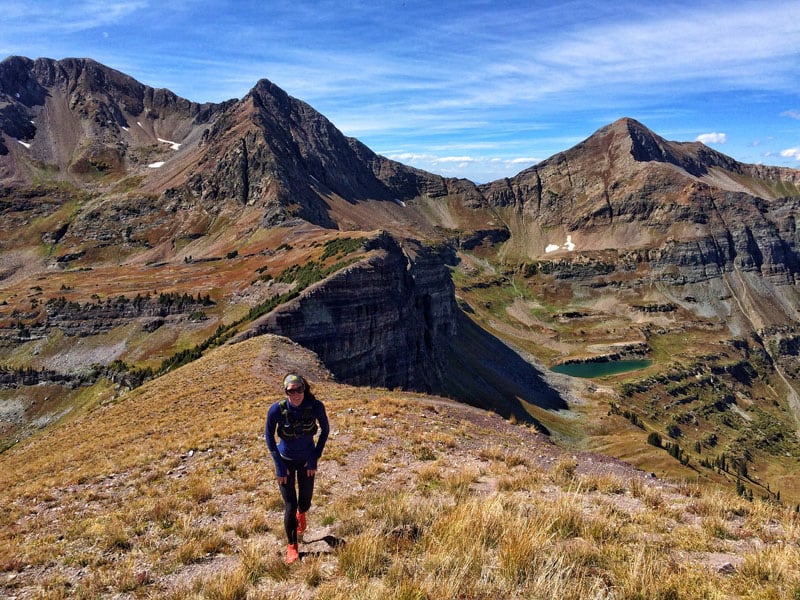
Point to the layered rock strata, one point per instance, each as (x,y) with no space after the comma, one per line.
(387,321)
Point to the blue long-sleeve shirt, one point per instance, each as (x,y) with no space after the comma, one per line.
(302,448)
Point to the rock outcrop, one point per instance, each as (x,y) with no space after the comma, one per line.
(386,321)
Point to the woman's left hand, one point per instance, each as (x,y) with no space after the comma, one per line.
(311,472)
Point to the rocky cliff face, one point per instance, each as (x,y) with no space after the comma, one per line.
(387,321)
(139,177)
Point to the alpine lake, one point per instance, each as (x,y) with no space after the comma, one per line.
(591,370)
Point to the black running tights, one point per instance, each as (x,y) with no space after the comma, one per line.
(295,498)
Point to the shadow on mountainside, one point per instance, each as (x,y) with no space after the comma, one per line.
(483,371)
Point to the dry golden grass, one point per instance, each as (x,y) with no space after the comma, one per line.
(170,493)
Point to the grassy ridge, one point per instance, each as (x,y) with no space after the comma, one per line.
(169,493)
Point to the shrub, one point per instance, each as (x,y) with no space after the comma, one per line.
(654,439)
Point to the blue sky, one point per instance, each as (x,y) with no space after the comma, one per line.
(475,89)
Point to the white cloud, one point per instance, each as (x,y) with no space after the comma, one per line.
(72,17)
(636,51)
(456,159)
(791,153)
(411,157)
(792,114)
(478,168)
(712,138)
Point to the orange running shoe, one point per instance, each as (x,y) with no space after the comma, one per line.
(292,554)
(301,523)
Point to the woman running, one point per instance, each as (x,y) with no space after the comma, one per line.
(295,420)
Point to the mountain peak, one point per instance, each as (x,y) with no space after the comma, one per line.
(629,124)
(643,145)
(271,95)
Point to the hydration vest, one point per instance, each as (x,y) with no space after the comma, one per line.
(290,427)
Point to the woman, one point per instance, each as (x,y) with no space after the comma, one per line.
(295,420)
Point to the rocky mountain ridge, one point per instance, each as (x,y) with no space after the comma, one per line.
(267,149)
(76,114)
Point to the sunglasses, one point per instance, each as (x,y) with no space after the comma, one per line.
(296,390)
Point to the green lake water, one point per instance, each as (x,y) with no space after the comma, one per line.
(601,369)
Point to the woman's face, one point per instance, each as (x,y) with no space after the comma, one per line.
(295,393)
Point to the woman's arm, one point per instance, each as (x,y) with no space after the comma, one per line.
(269,434)
(324,430)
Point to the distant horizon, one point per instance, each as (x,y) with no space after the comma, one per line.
(461,89)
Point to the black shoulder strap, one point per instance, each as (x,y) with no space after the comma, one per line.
(308,411)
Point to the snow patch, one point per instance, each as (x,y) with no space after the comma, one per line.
(24,144)
(568,245)
(400,202)
(156,165)
(125,128)
(140,124)
(173,145)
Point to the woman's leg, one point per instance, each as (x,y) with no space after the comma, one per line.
(305,486)
(289,495)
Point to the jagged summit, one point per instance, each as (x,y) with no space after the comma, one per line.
(624,173)
(628,138)
(693,157)
(644,144)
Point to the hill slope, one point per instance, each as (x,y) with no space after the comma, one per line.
(170,493)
